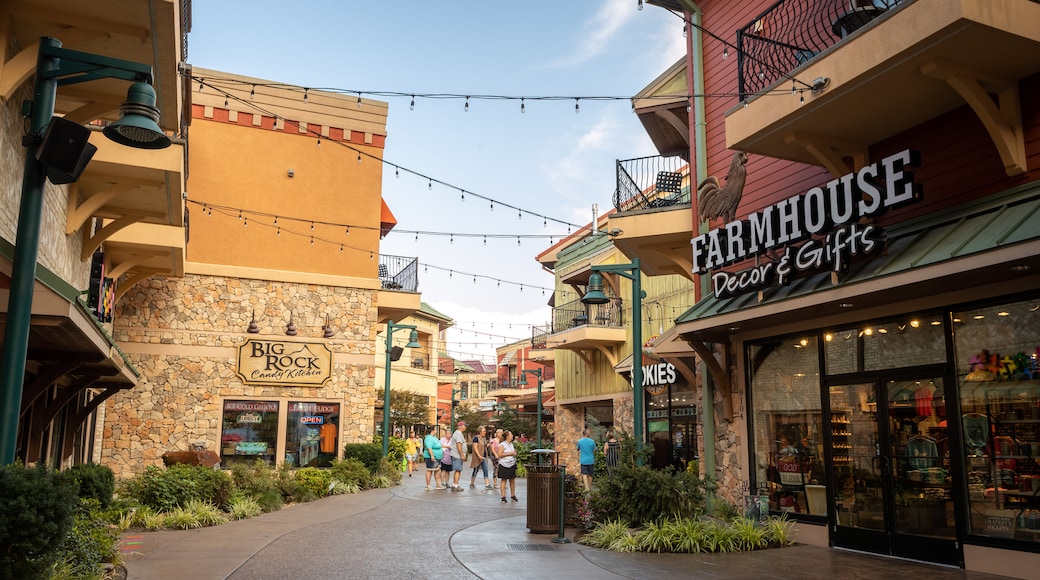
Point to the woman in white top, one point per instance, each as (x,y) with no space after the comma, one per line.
(507,465)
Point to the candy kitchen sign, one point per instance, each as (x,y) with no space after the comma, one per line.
(274,362)
(819,229)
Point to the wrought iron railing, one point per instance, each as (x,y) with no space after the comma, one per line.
(648,182)
(792,32)
(540,336)
(399,273)
(574,314)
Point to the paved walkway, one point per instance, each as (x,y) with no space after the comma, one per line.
(408,532)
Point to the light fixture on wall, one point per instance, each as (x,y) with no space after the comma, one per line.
(253,328)
(326,330)
(290,329)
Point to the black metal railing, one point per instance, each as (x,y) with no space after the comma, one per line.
(648,182)
(540,335)
(792,32)
(399,273)
(574,314)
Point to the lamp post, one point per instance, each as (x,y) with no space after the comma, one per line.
(413,342)
(523,382)
(138,128)
(595,295)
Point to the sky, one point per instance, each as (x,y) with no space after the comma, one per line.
(548,160)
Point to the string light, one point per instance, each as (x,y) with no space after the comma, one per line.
(359,100)
(305,94)
(466,108)
(577,107)
(523,108)
(252,92)
(411,107)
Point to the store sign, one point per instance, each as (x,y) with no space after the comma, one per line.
(312,419)
(792,230)
(657,375)
(284,363)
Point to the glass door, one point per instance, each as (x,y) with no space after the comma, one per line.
(889,456)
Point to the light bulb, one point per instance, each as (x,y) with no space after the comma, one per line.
(466,108)
(523,108)
(577,107)
(305,95)
(359,100)
(725,53)
(252,92)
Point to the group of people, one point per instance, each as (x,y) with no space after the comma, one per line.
(494,457)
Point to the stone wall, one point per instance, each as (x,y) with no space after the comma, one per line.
(181,334)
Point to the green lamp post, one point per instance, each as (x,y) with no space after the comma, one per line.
(595,295)
(138,128)
(523,382)
(413,342)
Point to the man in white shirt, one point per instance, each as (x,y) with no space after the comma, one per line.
(458,454)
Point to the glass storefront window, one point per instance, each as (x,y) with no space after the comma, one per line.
(996,358)
(912,341)
(311,434)
(249,431)
(787,416)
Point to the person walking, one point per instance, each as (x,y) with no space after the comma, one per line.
(432,453)
(478,448)
(458,455)
(587,458)
(493,456)
(411,451)
(507,466)
(445,472)
(612,451)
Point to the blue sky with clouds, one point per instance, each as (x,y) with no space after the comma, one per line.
(547,160)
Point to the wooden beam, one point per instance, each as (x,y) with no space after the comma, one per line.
(722,378)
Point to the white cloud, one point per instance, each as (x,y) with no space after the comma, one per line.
(598,32)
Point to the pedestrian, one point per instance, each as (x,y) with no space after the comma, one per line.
(478,461)
(411,451)
(507,465)
(432,453)
(445,464)
(587,458)
(493,456)
(458,454)
(612,451)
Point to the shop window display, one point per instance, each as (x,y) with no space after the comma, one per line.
(787,415)
(311,434)
(996,356)
(249,431)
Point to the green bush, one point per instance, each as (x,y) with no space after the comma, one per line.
(292,490)
(351,471)
(90,545)
(166,489)
(395,450)
(391,471)
(95,482)
(258,481)
(314,480)
(368,454)
(638,495)
(36,515)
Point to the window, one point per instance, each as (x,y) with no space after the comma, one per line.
(911,341)
(787,415)
(311,434)
(249,432)
(996,359)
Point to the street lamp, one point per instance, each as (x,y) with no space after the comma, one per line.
(523,382)
(596,296)
(413,342)
(53,158)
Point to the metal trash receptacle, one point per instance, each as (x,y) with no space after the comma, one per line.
(543,492)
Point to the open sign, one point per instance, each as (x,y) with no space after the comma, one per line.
(312,419)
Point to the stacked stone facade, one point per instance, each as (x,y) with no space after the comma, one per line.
(181,335)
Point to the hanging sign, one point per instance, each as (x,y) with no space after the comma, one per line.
(792,230)
(278,362)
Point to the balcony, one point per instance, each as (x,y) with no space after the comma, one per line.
(878,68)
(654,221)
(540,351)
(585,329)
(399,295)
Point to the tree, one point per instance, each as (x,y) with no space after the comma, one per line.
(511,420)
(472,415)
(408,409)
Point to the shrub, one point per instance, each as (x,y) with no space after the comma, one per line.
(165,489)
(314,480)
(368,454)
(390,471)
(638,495)
(292,490)
(395,450)
(206,513)
(94,481)
(605,534)
(340,488)
(779,530)
(90,545)
(258,481)
(351,471)
(242,508)
(36,514)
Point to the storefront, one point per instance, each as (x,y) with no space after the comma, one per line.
(303,433)
(892,392)
(671,415)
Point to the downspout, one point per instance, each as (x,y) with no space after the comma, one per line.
(698,129)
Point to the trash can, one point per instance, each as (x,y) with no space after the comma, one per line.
(543,492)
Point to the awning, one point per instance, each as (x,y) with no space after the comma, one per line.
(387,221)
(993,244)
(508,359)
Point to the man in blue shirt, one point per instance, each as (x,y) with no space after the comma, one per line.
(587,457)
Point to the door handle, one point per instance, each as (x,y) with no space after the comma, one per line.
(886,467)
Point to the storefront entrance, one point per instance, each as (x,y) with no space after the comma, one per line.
(888,452)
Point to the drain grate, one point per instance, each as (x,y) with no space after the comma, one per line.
(531,547)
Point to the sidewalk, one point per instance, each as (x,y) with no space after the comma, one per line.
(358,535)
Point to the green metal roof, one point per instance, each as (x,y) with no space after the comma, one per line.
(974,228)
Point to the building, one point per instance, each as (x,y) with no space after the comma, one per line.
(267,346)
(101,236)
(866,315)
